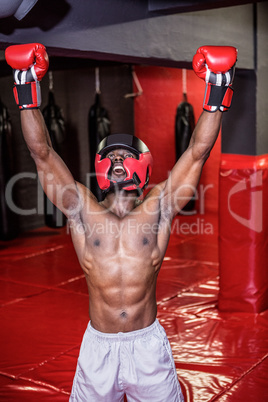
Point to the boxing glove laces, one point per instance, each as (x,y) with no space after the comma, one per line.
(216,66)
(29,63)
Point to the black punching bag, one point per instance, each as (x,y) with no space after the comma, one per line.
(54,218)
(99,127)
(8,219)
(184,127)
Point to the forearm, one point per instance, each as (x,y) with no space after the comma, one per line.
(35,133)
(205,134)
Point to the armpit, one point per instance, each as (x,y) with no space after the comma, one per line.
(166,210)
(75,203)
(76,226)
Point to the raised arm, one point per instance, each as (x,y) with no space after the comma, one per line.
(55,178)
(30,63)
(214,64)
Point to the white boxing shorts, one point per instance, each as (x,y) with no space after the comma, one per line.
(138,363)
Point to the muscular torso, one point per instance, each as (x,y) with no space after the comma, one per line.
(121,258)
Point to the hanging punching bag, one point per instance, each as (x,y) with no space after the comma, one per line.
(184,127)
(8,219)
(54,218)
(99,127)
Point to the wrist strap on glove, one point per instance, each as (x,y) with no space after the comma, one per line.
(28,96)
(27,92)
(217,98)
(219,93)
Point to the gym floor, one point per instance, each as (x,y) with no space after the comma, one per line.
(219,356)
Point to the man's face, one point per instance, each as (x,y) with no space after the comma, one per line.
(117,157)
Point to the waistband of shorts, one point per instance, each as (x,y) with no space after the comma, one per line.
(125,336)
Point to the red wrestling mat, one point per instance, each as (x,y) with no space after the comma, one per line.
(219,356)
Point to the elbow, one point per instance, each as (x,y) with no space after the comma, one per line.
(205,155)
(40,152)
(201,153)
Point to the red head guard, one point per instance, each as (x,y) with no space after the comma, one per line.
(138,170)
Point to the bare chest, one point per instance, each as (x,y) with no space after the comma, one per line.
(124,236)
(119,242)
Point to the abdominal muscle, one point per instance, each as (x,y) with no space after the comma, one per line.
(121,294)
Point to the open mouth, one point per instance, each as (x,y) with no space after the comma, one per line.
(118,169)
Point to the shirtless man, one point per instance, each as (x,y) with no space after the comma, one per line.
(120,243)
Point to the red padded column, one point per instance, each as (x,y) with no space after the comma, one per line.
(243,233)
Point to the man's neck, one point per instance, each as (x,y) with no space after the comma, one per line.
(121,203)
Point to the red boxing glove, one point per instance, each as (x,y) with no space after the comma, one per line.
(216,66)
(30,64)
